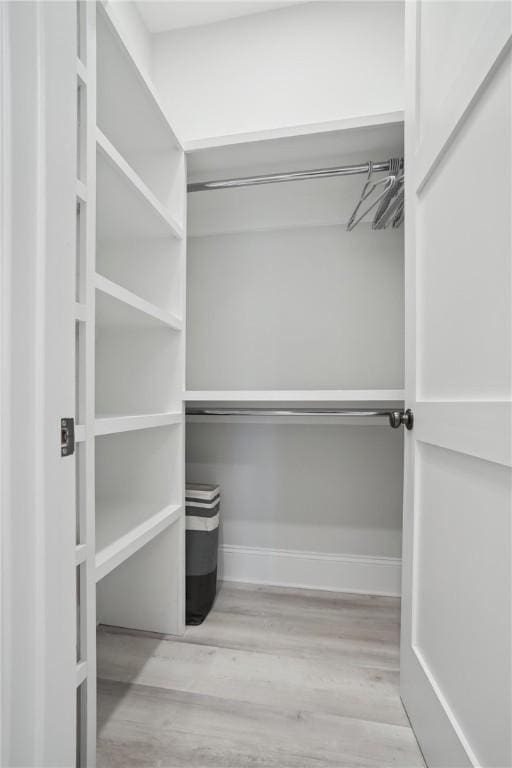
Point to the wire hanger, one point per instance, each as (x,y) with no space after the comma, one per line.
(391,184)
(388,200)
(392,207)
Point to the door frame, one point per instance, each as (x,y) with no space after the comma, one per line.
(37,486)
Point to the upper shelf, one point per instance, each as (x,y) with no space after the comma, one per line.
(296,148)
(130,115)
(320,396)
(128,106)
(126,207)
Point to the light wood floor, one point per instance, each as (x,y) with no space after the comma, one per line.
(278,678)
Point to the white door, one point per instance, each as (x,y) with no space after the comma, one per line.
(456,629)
(38,187)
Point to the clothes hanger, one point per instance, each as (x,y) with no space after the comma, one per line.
(389,199)
(398,220)
(391,206)
(368,189)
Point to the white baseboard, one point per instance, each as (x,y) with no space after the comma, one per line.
(311,570)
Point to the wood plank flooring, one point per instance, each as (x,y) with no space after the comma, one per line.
(280,678)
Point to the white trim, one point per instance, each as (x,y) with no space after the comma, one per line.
(5,254)
(363,574)
(344,124)
(89,713)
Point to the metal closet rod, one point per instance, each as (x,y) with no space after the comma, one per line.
(396,417)
(273,178)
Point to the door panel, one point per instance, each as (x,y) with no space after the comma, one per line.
(451,70)
(456,624)
(449,32)
(461,621)
(463,244)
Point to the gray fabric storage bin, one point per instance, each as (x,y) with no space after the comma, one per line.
(202,507)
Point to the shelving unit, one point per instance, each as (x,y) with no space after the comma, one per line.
(139,342)
(131,251)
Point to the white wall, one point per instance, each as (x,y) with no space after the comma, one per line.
(310,63)
(312,505)
(305,308)
(332,488)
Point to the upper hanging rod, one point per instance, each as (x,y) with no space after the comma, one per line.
(396,417)
(272,178)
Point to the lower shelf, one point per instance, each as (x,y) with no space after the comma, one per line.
(113,549)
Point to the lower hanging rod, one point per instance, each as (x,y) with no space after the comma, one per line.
(273,178)
(396,417)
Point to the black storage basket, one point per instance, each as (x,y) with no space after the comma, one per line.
(202,542)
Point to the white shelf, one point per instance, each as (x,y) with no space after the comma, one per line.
(122,307)
(126,206)
(296,147)
(113,549)
(113,424)
(305,129)
(321,396)
(127,82)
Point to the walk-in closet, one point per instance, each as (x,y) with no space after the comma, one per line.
(263,296)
